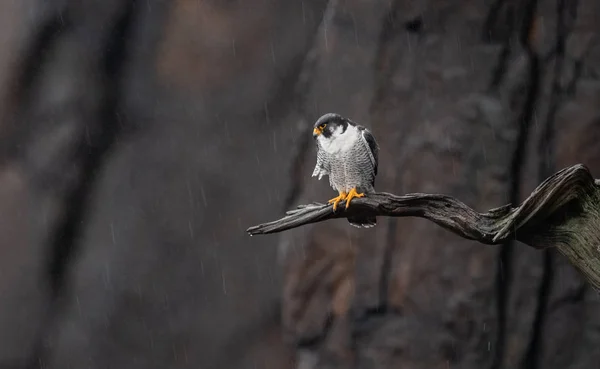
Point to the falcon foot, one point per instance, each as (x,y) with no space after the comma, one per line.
(336,200)
(352,194)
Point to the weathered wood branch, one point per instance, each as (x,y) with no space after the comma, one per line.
(562,212)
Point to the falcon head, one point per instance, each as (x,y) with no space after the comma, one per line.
(330,126)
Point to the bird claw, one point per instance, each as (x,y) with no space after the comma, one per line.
(336,200)
(345,197)
(351,195)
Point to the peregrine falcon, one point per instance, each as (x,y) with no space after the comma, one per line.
(348,154)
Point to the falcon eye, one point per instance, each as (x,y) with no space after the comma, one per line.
(322,126)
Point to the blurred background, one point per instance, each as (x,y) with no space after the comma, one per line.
(141,138)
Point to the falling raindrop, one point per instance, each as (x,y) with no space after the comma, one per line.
(266,108)
(325,36)
(78,305)
(191,229)
(112,233)
(273,53)
(203,196)
(355,30)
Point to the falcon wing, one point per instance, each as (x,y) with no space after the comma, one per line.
(323,166)
(371,144)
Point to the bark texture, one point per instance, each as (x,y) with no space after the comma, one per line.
(140,138)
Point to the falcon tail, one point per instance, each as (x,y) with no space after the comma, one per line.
(362,222)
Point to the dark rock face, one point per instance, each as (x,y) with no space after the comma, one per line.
(141,138)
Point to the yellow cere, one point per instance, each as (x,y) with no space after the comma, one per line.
(317,131)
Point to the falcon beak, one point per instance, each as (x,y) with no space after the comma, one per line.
(317,131)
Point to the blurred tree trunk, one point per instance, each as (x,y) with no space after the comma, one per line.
(141,138)
(480,101)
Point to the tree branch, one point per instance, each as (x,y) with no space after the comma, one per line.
(562,212)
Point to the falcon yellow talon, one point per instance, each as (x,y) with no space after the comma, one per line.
(336,200)
(351,195)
